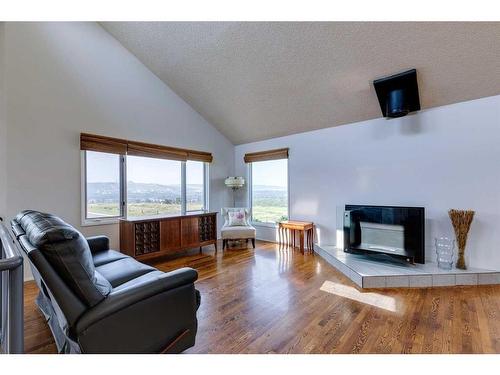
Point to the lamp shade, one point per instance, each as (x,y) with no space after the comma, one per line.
(234,182)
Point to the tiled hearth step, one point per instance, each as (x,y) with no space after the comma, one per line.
(367,272)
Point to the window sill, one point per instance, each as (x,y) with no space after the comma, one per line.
(264,225)
(96,222)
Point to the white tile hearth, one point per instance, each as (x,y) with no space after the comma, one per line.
(444,280)
(420,281)
(397,281)
(384,272)
(488,278)
(467,279)
(374,282)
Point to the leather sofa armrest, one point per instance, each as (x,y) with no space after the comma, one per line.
(123,298)
(98,243)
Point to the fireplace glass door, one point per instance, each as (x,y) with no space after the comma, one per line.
(397,231)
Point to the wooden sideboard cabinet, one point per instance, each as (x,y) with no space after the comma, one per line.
(145,238)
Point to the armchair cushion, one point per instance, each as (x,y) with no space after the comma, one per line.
(237,232)
(123,270)
(104,257)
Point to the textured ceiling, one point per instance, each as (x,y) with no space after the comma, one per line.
(261,80)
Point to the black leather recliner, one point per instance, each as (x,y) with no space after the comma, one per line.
(97,300)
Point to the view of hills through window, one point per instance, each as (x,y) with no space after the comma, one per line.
(103,184)
(153,186)
(270,191)
(195,194)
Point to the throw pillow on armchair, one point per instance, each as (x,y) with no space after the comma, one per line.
(237,218)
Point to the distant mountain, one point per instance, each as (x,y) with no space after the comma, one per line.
(269,195)
(103,192)
(268,188)
(99,192)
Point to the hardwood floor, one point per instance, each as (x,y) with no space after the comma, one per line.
(269,300)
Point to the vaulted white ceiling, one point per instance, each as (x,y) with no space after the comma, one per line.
(261,80)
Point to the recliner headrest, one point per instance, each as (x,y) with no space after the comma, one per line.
(67,251)
(42,228)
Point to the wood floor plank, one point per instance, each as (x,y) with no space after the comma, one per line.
(277,300)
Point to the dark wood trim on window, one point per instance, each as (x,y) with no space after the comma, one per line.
(101,143)
(91,142)
(156,151)
(205,157)
(280,153)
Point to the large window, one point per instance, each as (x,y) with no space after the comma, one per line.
(269,190)
(151,186)
(103,194)
(195,186)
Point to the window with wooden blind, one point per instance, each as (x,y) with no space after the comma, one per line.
(103,194)
(122,178)
(268,185)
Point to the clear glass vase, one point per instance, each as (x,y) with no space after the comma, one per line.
(445,248)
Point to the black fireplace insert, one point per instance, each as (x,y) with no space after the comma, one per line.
(395,231)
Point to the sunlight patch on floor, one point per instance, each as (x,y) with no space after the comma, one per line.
(369,298)
(318,268)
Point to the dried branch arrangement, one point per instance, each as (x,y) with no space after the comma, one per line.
(461,221)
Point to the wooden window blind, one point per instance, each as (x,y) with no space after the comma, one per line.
(100,143)
(205,157)
(90,142)
(156,151)
(280,153)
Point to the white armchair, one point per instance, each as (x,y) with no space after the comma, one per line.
(236,232)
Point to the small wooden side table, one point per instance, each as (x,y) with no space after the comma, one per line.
(288,229)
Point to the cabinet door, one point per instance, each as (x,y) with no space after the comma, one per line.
(170,238)
(189,232)
(127,238)
(208,227)
(147,237)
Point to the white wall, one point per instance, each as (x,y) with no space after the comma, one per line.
(65,78)
(441,158)
(3,127)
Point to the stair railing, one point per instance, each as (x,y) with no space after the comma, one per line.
(11,295)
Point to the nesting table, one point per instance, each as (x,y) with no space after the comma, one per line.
(288,230)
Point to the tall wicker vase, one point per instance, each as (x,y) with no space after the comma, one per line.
(461,221)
